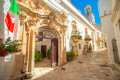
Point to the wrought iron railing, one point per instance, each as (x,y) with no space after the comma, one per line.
(75,33)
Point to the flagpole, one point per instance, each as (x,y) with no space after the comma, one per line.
(8,33)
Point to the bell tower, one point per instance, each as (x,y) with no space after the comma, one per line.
(89,14)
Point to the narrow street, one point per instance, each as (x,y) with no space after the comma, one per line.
(93,66)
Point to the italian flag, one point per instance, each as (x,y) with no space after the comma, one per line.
(10,16)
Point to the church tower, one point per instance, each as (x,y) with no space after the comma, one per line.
(89,14)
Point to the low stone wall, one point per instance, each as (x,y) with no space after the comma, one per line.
(11,66)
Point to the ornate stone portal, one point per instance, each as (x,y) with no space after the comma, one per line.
(35,14)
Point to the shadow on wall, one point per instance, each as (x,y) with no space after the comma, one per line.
(1,19)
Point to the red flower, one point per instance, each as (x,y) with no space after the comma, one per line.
(14,46)
(15,51)
(20,40)
(9,38)
(49,55)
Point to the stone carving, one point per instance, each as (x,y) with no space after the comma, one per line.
(45,21)
(74,26)
(22,17)
(60,18)
(36,5)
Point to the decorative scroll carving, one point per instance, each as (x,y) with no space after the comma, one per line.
(22,17)
(54,19)
(60,18)
(44,21)
(36,5)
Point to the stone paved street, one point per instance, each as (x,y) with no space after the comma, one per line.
(93,66)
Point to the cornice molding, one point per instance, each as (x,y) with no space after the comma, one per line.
(116,9)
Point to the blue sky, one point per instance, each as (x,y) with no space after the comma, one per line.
(81,4)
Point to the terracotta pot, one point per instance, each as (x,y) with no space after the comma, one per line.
(84,53)
(3,53)
(89,51)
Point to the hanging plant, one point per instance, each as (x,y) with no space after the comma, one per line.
(88,38)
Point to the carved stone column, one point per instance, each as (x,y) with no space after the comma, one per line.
(22,36)
(31,53)
(59,51)
(27,51)
(63,45)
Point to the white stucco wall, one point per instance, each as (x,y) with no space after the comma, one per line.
(112,2)
(1,19)
(104,6)
(116,25)
(108,29)
(46,42)
(81,28)
(4,8)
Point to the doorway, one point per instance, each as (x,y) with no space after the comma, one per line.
(43,50)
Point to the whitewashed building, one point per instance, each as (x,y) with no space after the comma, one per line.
(53,21)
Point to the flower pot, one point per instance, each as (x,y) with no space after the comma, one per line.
(3,53)
(89,51)
(75,40)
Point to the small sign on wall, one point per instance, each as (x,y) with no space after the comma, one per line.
(1,41)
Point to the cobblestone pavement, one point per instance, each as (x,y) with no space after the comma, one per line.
(93,66)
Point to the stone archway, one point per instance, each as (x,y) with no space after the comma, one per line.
(48,38)
(61,57)
(30,22)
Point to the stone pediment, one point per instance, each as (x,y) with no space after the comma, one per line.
(36,5)
(34,17)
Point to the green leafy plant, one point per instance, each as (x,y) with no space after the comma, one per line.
(76,36)
(90,47)
(11,46)
(38,56)
(88,38)
(49,53)
(70,55)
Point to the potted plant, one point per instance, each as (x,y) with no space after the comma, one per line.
(10,47)
(70,55)
(49,53)
(76,36)
(3,52)
(90,49)
(38,56)
(88,38)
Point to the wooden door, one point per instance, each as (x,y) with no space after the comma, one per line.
(54,52)
(43,50)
